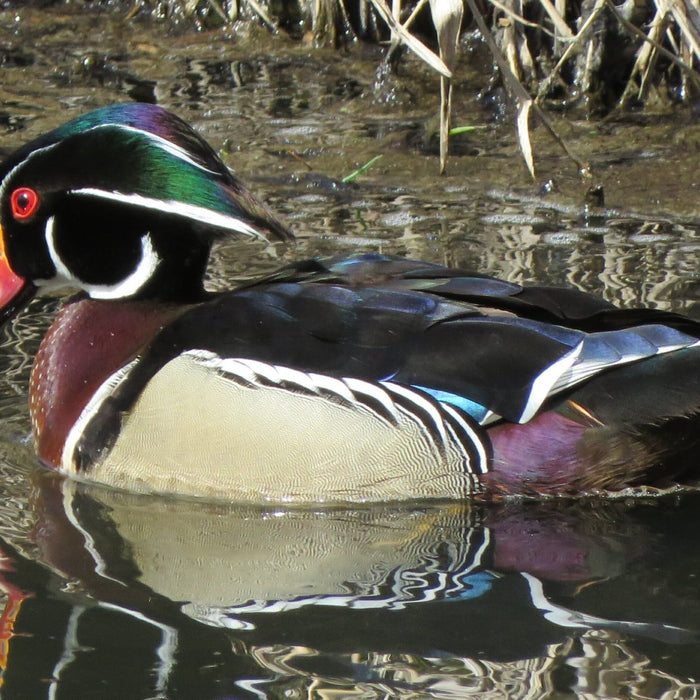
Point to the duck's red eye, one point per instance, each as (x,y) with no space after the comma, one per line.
(24,202)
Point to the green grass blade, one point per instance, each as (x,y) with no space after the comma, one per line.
(359,171)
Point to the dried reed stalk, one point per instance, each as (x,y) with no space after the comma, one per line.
(673,32)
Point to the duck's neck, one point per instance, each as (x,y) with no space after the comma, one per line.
(88,341)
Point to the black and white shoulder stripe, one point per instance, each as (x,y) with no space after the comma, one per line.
(441,423)
(445,428)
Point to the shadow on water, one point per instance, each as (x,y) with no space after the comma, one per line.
(150,597)
(107,595)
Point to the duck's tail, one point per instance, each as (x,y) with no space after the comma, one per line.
(635,425)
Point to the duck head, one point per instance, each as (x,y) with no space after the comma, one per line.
(122,202)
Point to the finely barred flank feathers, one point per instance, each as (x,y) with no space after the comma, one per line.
(441,423)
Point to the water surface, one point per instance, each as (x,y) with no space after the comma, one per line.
(110,595)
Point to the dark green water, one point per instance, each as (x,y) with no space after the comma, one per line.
(111,596)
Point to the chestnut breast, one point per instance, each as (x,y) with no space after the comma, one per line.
(88,341)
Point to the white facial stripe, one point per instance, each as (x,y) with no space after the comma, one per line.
(127,287)
(135,281)
(63,274)
(166,145)
(190,211)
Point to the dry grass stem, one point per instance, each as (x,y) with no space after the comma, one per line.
(651,43)
(520,19)
(687,16)
(522,100)
(220,10)
(260,12)
(410,41)
(561,27)
(414,13)
(447,16)
(523,127)
(575,45)
(592,55)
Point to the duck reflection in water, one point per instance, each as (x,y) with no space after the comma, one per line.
(269,598)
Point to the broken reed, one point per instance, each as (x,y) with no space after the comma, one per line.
(593,56)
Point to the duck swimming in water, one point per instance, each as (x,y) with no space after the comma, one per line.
(364,378)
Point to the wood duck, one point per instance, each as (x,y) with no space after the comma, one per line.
(363,378)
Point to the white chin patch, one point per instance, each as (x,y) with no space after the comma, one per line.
(127,287)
